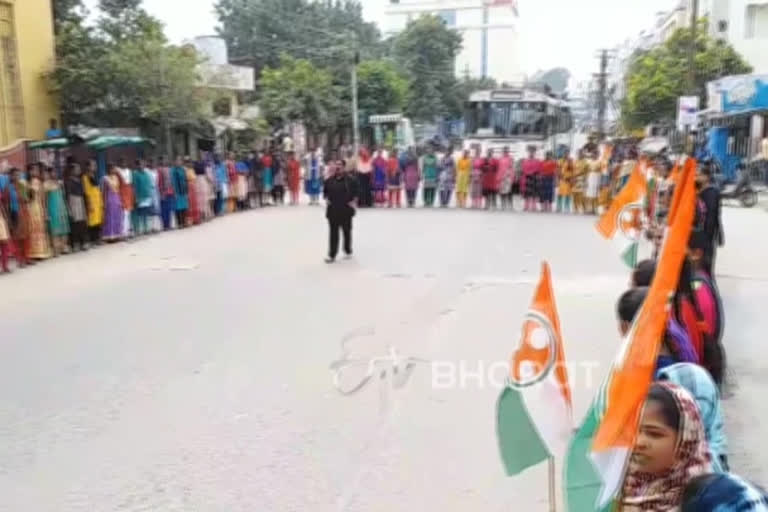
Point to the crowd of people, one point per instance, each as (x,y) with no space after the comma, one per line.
(44,214)
(680,459)
(477,181)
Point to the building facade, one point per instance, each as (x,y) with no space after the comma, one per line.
(27,52)
(744,24)
(489,29)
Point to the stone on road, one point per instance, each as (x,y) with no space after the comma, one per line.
(191,370)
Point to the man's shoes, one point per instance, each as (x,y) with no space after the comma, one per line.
(330,260)
(348,256)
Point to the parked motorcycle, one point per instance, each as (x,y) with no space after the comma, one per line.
(741,191)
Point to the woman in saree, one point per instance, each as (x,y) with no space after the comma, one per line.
(39,243)
(112,229)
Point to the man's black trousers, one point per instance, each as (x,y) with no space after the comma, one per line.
(343,223)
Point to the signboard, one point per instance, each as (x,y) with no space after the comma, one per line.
(687,111)
(226,76)
(512,4)
(738,93)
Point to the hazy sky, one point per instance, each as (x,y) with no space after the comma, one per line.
(552,32)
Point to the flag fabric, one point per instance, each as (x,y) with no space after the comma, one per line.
(598,455)
(533,414)
(622,222)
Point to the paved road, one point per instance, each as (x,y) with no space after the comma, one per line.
(190,371)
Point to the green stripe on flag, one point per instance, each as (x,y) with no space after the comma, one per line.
(582,482)
(520,444)
(629,256)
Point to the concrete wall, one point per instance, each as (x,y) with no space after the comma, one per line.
(755,48)
(35,50)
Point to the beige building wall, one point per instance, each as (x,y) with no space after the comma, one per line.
(26,52)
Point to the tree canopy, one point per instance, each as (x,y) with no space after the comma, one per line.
(323,32)
(657,78)
(426,50)
(382,89)
(120,71)
(296,90)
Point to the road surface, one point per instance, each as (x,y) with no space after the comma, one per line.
(190,371)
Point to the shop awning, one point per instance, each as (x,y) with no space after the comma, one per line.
(112,141)
(61,142)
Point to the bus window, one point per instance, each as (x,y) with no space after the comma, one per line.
(500,118)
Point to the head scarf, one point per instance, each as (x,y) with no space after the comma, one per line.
(678,337)
(725,493)
(697,381)
(663,492)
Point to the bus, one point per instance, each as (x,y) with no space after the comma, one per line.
(518,118)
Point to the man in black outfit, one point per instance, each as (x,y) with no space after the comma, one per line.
(340,192)
(709,198)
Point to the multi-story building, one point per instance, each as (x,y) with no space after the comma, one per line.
(744,24)
(664,26)
(489,29)
(26,54)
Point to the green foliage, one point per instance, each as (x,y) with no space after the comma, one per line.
(323,32)
(381,88)
(121,71)
(657,78)
(426,51)
(463,88)
(67,11)
(158,81)
(297,90)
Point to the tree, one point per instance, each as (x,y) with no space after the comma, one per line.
(158,81)
(463,88)
(657,78)
(297,90)
(426,50)
(381,88)
(325,33)
(121,71)
(67,11)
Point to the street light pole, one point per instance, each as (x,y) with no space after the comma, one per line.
(355,120)
(689,144)
(692,48)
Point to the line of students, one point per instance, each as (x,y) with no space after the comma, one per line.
(680,459)
(42,216)
(477,181)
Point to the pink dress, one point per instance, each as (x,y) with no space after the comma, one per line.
(530,167)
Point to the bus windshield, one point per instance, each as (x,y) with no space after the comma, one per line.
(505,119)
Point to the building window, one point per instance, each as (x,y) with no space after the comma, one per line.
(448,17)
(756,22)
(12,124)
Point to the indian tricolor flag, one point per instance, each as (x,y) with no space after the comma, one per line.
(534,419)
(599,453)
(622,222)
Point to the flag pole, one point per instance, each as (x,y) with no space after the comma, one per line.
(552,494)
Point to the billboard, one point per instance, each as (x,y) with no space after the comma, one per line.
(738,93)
(502,3)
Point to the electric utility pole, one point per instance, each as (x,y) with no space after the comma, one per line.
(692,48)
(602,92)
(355,120)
